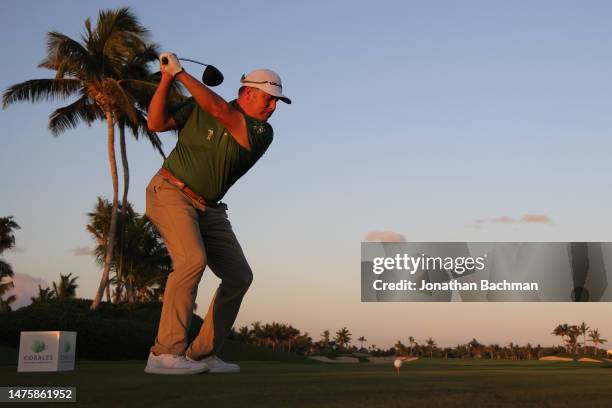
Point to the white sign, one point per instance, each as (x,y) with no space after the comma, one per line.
(47,351)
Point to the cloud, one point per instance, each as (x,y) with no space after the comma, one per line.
(536,218)
(385,236)
(83,251)
(26,286)
(526,219)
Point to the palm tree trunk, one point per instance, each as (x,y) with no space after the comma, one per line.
(134,293)
(129,292)
(126,168)
(124,200)
(113,223)
(108,294)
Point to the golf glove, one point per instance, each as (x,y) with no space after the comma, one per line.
(170,64)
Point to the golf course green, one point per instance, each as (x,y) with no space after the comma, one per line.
(423,383)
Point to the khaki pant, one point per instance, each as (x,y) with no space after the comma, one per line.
(196,237)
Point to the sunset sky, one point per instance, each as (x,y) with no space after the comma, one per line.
(440,121)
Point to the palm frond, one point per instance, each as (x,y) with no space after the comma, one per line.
(7,239)
(5,269)
(68,117)
(122,100)
(88,34)
(139,61)
(36,90)
(67,56)
(118,34)
(141,84)
(121,19)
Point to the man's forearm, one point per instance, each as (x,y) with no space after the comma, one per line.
(208,100)
(158,119)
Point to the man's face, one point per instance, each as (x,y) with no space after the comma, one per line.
(260,105)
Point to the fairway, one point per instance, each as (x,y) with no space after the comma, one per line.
(424,383)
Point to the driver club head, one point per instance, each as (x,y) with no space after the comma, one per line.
(212,76)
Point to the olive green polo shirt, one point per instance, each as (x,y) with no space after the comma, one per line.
(206,157)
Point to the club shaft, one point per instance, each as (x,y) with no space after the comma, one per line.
(194,61)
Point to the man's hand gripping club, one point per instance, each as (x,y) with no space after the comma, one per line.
(169,63)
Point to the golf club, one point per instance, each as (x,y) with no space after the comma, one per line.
(211,75)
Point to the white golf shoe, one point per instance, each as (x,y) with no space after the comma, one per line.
(216,365)
(172,364)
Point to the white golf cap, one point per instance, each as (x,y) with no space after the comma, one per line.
(266,80)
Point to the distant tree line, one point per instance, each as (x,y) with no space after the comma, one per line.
(284,337)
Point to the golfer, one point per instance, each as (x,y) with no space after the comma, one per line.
(218,143)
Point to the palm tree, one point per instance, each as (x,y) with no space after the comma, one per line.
(66,288)
(596,339)
(92,70)
(275,334)
(572,341)
(529,351)
(324,343)
(44,295)
(538,351)
(7,241)
(583,328)
(431,344)
(399,348)
(562,330)
(302,343)
(146,259)
(289,335)
(411,342)
(143,258)
(244,334)
(325,336)
(495,351)
(362,340)
(343,336)
(475,348)
(257,332)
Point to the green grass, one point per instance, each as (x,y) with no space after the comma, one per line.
(425,383)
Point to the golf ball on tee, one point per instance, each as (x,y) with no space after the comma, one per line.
(397,363)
